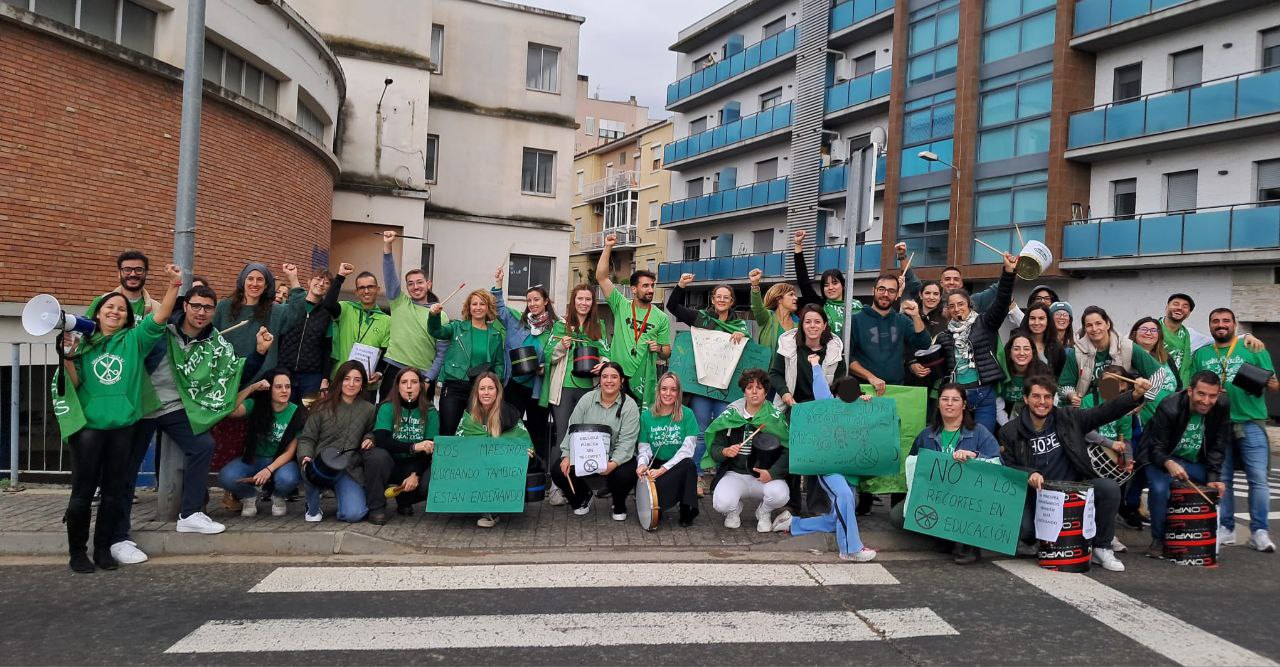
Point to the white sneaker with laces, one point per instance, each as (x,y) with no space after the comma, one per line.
(556,497)
(1260,540)
(487,520)
(250,508)
(734,518)
(764,520)
(782,522)
(199,522)
(1107,559)
(279,507)
(864,555)
(1118,546)
(127,552)
(1226,536)
(314,518)
(619,517)
(584,510)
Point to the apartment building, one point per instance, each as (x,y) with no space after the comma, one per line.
(602,121)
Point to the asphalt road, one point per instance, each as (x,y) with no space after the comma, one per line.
(915,610)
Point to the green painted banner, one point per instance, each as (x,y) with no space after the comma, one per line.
(858,438)
(681,363)
(477,475)
(911,402)
(973,503)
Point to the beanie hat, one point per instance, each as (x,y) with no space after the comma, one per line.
(1060,305)
(270,291)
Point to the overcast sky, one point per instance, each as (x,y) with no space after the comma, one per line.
(624,44)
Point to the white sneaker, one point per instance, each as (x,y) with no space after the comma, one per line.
(487,520)
(250,508)
(200,523)
(865,555)
(782,522)
(1260,540)
(764,520)
(127,553)
(584,510)
(1107,559)
(314,518)
(556,497)
(619,517)
(734,518)
(278,506)
(1118,546)
(1226,536)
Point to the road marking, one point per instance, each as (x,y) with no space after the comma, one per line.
(1167,635)
(1244,516)
(596,575)
(558,630)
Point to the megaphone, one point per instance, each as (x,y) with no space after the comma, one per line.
(44,314)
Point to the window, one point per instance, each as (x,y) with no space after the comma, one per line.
(923,219)
(928,124)
(309,120)
(1180,190)
(767,170)
(1271,48)
(578,233)
(1016,34)
(698,125)
(1124,198)
(582,179)
(228,70)
(762,240)
(864,64)
(427,260)
(692,250)
(653,214)
(589,128)
(774,27)
(655,154)
(1003,202)
(622,159)
(1126,83)
(542,72)
(121,21)
(771,99)
(1187,68)
(612,129)
(704,62)
(437,48)
(931,37)
(537,172)
(693,187)
(526,271)
(1268,180)
(433,156)
(621,210)
(1014,114)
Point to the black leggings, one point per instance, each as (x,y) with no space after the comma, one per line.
(453,403)
(97,456)
(535,416)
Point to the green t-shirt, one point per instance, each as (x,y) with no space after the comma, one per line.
(664,435)
(409,341)
(558,332)
(413,428)
(949,440)
(479,346)
(356,325)
(834,308)
(628,348)
(1188,448)
(1178,347)
(1120,429)
(1011,391)
(1225,361)
(115,390)
(269,443)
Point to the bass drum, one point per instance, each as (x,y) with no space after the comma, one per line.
(647,509)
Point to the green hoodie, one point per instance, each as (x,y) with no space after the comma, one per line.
(115,389)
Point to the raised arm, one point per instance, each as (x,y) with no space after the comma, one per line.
(602,266)
(330,301)
(675,302)
(998,309)
(807,293)
(390,274)
(165,309)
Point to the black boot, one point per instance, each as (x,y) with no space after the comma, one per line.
(687,514)
(103,559)
(965,554)
(80,562)
(77,520)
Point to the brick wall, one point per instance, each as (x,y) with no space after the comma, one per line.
(89,163)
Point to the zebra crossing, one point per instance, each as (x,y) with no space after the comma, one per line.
(1240,489)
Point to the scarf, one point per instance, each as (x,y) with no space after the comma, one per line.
(539,323)
(207,377)
(774,422)
(960,336)
(707,320)
(66,405)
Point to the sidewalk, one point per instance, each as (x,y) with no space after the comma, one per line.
(31,524)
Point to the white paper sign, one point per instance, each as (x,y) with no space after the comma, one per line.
(1090,516)
(715,356)
(367,355)
(1049,506)
(590,452)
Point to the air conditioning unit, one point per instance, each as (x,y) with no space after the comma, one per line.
(839,150)
(835,227)
(844,69)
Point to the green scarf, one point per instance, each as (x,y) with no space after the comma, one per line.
(708,320)
(207,377)
(774,422)
(834,309)
(66,407)
(470,428)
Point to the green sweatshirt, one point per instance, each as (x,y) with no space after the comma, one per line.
(115,389)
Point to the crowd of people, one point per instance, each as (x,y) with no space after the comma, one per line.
(289,391)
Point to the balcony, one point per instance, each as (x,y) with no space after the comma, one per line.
(619,286)
(837,257)
(753,197)
(848,99)
(773,264)
(627,237)
(729,138)
(852,20)
(625,180)
(729,74)
(835,178)
(1242,105)
(1104,24)
(1210,236)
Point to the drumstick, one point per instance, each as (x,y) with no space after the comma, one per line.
(1019,230)
(234,327)
(400,236)
(1121,378)
(907,265)
(1206,498)
(753,434)
(989,247)
(455,292)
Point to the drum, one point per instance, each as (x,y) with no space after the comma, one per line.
(765,450)
(1191,529)
(585,358)
(647,504)
(931,357)
(326,466)
(1033,260)
(1071,551)
(535,486)
(1109,463)
(524,360)
(1252,379)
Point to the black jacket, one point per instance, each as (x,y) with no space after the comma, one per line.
(984,336)
(1070,424)
(1165,429)
(305,347)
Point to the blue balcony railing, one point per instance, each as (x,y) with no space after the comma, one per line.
(1216,229)
(1097,14)
(834,179)
(837,257)
(743,129)
(733,267)
(760,53)
(1231,98)
(850,12)
(860,90)
(752,195)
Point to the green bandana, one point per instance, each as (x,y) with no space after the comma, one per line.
(708,320)
(774,422)
(66,407)
(207,377)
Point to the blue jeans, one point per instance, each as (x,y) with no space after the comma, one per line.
(705,410)
(351,502)
(1158,481)
(840,519)
(982,401)
(286,478)
(1252,450)
(197,452)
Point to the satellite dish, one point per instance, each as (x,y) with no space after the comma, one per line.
(43,314)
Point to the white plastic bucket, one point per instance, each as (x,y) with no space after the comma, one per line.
(1034,260)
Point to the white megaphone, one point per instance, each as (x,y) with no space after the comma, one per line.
(44,314)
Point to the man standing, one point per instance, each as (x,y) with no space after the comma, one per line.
(1185,440)
(357,323)
(410,342)
(1224,357)
(1180,341)
(641,333)
(1049,443)
(879,337)
(132,267)
(304,349)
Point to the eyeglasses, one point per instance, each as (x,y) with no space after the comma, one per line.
(133,271)
(366,288)
(1148,330)
(886,290)
(201,307)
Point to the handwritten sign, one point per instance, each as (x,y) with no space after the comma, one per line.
(590,452)
(684,364)
(478,475)
(911,403)
(858,438)
(715,356)
(973,503)
(1049,506)
(367,355)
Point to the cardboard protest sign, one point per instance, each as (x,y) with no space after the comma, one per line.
(590,451)
(911,403)
(715,357)
(683,364)
(858,438)
(478,475)
(973,503)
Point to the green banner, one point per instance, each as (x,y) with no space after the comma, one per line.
(479,474)
(973,503)
(858,438)
(911,403)
(681,363)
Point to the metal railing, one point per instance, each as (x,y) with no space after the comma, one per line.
(32,441)
(1098,14)
(859,90)
(1251,226)
(752,195)
(772,264)
(627,236)
(739,131)
(617,182)
(835,178)
(1229,98)
(620,286)
(851,12)
(751,57)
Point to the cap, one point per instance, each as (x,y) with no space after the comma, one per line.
(1179,295)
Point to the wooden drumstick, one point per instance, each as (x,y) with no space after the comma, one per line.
(753,434)
(1121,378)
(1019,230)
(907,265)
(990,247)
(1206,498)
(455,293)
(233,327)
